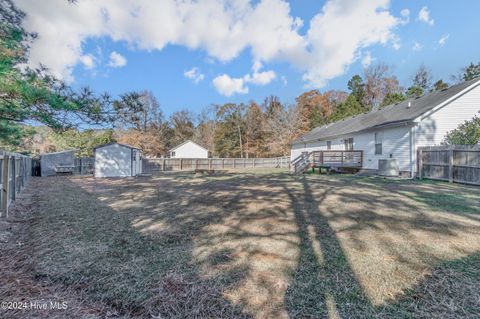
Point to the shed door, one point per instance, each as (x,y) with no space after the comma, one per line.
(134,162)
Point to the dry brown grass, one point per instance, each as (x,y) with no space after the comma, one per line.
(266,245)
(20,283)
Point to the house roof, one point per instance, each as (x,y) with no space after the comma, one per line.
(108,144)
(391,115)
(187,141)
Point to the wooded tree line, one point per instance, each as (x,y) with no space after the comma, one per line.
(253,129)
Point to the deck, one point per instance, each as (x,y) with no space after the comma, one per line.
(350,159)
(328,159)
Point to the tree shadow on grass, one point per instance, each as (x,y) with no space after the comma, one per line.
(81,242)
(140,243)
(438,195)
(323,285)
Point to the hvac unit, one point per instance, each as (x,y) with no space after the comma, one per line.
(388,167)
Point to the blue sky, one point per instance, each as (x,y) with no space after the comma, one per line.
(240,53)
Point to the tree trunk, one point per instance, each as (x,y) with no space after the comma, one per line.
(240,139)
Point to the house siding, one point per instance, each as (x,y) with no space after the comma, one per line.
(395,144)
(431,130)
(401,142)
(189,150)
(396,141)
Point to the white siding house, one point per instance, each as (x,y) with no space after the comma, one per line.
(188,149)
(117,160)
(396,131)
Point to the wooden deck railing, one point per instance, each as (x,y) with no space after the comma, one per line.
(346,159)
(337,158)
(300,163)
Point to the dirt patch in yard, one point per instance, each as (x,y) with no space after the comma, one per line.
(263,245)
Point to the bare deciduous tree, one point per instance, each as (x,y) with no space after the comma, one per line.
(282,128)
(422,78)
(378,83)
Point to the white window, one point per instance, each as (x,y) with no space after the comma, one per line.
(329,145)
(172,154)
(378,143)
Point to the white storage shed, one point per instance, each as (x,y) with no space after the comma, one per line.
(117,160)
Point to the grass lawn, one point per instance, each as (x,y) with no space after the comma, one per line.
(260,245)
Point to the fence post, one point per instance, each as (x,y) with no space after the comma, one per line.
(209,164)
(420,164)
(450,165)
(14,178)
(163,165)
(5,172)
(181,164)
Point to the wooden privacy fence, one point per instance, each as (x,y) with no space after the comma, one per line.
(151,165)
(460,164)
(15,171)
(84,165)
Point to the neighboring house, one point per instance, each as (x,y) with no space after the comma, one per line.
(117,160)
(51,162)
(396,131)
(188,149)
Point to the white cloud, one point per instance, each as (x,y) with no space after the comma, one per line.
(117,60)
(417,46)
(424,16)
(338,33)
(405,13)
(88,61)
(367,60)
(443,39)
(228,86)
(396,43)
(259,78)
(194,74)
(221,28)
(284,80)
